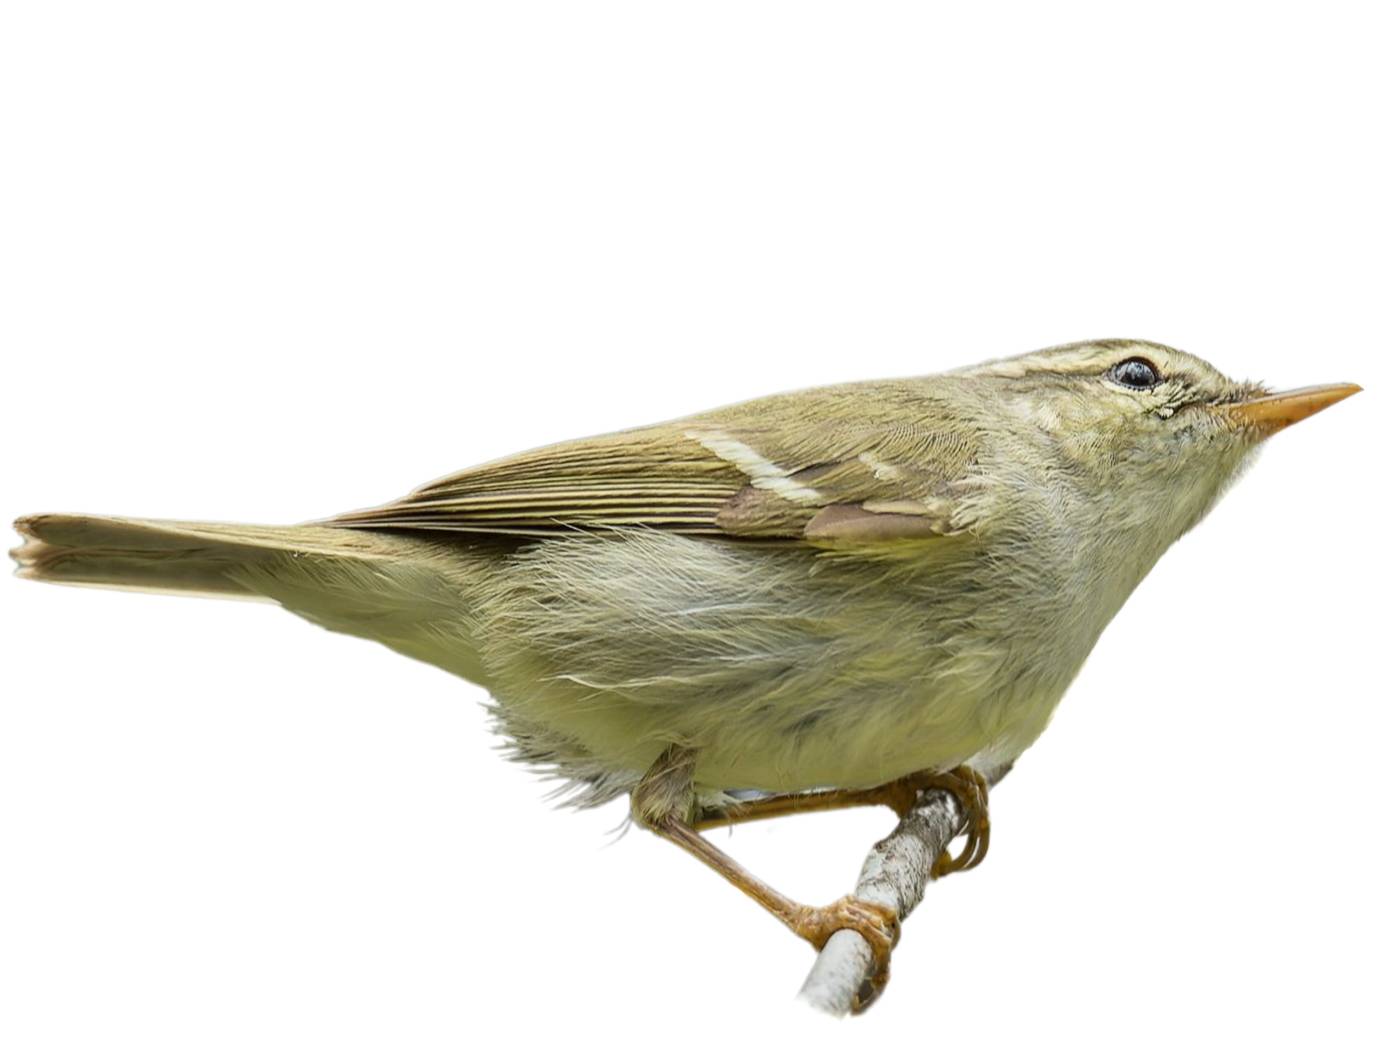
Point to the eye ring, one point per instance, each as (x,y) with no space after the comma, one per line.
(1134,373)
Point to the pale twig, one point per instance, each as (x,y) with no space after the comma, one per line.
(895,874)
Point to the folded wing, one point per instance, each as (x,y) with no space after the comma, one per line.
(797,467)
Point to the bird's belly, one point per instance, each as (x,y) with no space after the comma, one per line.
(817,727)
(936,729)
(865,754)
(783,673)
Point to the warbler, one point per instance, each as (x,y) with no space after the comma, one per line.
(831,597)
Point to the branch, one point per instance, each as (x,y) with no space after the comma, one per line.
(895,873)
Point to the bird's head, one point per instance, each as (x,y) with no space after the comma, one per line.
(1152,433)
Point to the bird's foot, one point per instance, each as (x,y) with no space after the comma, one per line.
(876,923)
(972,792)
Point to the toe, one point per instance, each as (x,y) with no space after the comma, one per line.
(876,923)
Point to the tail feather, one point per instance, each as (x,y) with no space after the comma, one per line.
(171,557)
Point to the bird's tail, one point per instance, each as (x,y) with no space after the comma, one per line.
(172,557)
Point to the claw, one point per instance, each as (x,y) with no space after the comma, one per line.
(971,790)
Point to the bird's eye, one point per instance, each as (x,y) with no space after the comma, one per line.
(1135,373)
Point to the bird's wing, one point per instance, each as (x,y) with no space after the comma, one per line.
(802,466)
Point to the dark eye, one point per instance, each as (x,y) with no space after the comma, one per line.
(1135,373)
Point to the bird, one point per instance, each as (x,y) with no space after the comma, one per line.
(820,599)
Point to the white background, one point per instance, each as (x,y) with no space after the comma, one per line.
(266,262)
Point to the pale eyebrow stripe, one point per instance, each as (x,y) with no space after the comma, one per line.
(762,473)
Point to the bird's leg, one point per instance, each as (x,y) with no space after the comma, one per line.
(664,800)
(788,803)
(966,784)
(876,923)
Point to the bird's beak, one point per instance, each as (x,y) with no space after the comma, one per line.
(1272,413)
